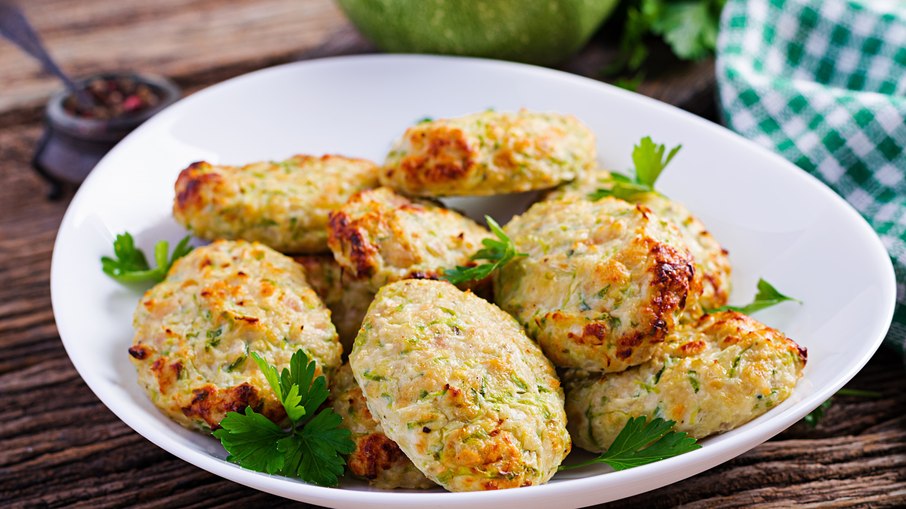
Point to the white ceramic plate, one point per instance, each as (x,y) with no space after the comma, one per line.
(776,221)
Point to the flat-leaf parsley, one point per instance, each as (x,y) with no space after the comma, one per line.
(641,442)
(649,160)
(499,252)
(131,266)
(310,449)
(766,297)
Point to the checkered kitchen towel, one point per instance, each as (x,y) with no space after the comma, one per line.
(823,83)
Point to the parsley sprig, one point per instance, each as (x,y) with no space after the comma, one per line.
(641,442)
(766,297)
(689,28)
(310,449)
(130,264)
(499,252)
(649,159)
(815,416)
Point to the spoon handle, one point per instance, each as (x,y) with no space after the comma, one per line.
(15,27)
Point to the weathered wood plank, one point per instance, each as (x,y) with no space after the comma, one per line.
(172,37)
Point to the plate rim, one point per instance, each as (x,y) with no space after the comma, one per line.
(666,471)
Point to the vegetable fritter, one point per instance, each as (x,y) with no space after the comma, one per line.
(710,377)
(489,153)
(194,332)
(602,285)
(385,237)
(347,298)
(711,286)
(376,457)
(455,381)
(281,204)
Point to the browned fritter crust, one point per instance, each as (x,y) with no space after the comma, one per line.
(386,237)
(710,376)
(376,458)
(711,285)
(281,204)
(195,332)
(489,153)
(603,283)
(346,296)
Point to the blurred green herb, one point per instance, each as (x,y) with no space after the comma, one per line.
(130,264)
(641,442)
(649,159)
(766,297)
(689,27)
(499,252)
(815,416)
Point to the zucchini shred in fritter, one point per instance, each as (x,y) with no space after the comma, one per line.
(195,330)
(602,283)
(281,204)
(709,377)
(457,384)
(385,237)
(489,153)
(442,386)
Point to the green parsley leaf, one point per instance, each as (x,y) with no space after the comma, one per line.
(499,252)
(311,448)
(766,297)
(689,27)
(649,160)
(631,83)
(858,393)
(130,264)
(317,451)
(251,439)
(301,373)
(815,416)
(270,373)
(633,51)
(622,187)
(641,442)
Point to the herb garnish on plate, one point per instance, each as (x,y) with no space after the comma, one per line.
(310,449)
(641,442)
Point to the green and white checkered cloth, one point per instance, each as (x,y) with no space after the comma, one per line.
(823,83)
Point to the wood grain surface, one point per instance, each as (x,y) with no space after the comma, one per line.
(60,447)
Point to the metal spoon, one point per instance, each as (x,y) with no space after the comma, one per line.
(15,27)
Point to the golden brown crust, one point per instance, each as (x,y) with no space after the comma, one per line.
(489,153)
(446,157)
(709,377)
(281,204)
(347,297)
(711,285)
(344,230)
(375,458)
(191,181)
(602,285)
(195,331)
(211,403)
(386,237)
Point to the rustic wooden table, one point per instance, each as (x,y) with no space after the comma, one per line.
(61,447)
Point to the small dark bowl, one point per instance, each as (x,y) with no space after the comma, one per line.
(72,145)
